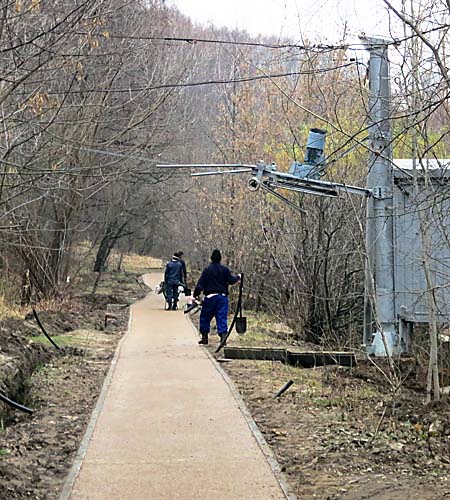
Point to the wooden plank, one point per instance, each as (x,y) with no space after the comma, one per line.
(312,359)
(256,353)
(295,358)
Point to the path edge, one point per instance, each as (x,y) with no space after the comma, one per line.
(82,449)
(257,434)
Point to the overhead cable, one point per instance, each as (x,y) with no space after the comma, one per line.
(208,82)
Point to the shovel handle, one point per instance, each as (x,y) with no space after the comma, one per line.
(235,317)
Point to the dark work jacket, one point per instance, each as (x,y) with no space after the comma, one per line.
(173,274)
(215,279)
(183,270)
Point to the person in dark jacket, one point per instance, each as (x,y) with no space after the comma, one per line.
(173,276)
(214,283)
(183,267)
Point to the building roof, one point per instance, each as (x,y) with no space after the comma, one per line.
(437,168)
(424,163)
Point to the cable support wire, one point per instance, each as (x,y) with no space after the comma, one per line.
(278,46)
(207,82)
(194,40)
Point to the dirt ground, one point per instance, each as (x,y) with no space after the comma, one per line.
(329,434)
(36,452)
(338,433)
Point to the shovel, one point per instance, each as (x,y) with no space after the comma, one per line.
(241,325)
(241,321)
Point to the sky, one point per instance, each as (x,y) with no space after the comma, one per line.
(317,19)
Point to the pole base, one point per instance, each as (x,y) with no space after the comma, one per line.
(391,345)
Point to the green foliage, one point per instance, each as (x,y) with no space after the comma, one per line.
(61,340)
(40,366)
(431,144)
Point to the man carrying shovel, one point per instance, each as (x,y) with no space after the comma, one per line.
(214,283)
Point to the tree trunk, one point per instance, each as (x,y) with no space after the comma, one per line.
(97,281)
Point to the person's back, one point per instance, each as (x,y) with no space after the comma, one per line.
(214,283)
(173,274)
(183,266)
(215,279)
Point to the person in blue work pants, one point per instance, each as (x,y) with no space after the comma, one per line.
(214,283)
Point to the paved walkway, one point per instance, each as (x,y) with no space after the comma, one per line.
(167,425)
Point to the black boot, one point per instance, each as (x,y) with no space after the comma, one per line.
(204,339)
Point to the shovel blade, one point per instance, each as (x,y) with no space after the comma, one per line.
(241,325)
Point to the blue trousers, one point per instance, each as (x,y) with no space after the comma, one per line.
(217,307)
(172,295)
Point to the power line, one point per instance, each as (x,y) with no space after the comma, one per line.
(277,46)
(208,82)
(193,41)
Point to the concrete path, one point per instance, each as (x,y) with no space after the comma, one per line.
(167,425)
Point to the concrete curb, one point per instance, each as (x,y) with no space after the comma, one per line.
(82,449)
(259,438)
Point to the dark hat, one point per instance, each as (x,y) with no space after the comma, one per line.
(216,256)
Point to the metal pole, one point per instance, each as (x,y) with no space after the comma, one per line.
(380,285)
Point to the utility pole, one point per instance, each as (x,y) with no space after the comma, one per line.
(380,326)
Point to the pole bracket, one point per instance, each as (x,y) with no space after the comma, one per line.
(380,193)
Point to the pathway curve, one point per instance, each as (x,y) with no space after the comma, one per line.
(167,425)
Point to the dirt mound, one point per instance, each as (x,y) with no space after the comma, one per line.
(36,452)
(19,357)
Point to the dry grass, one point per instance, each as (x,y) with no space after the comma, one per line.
(10,296)
(10,310)
(263,330)
(10,285)
(134,263)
